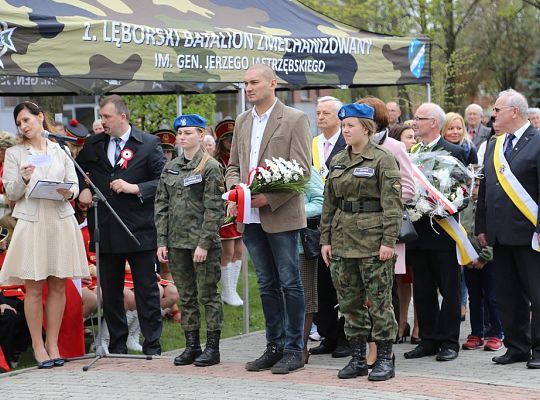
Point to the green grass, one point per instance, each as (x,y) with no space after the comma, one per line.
(172,336)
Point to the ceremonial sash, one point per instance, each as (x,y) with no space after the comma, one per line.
(464,249)
(513,188)
(316,160)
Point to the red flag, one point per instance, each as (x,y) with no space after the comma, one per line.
(71,338)
(3,363)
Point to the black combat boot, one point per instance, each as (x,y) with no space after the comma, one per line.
(192,351)
(358,365)
(210,355)
(384,366)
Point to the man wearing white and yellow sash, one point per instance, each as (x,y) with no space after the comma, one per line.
(324,147)
(434,259)
(507,219)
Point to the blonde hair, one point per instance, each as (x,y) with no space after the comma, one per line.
(448,119)
(205,157)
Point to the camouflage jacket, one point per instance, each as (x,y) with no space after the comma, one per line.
(188,207)
(370,176)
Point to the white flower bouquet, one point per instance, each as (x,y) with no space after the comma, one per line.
(278,175)
(443,185)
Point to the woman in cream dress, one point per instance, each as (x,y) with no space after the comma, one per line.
(47,245)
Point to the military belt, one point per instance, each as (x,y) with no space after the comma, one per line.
(359,206)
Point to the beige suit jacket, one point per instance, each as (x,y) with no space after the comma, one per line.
(61,169)
(286,135)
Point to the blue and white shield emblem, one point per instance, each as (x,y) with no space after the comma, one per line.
(417,55)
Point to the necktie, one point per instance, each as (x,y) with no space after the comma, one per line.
(327,146)
(508,146)
(118,149)
(472,132)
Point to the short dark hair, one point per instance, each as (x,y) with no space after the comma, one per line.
(396,131)
(118,102)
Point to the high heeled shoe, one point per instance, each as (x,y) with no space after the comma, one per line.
(406,333)
(59,362)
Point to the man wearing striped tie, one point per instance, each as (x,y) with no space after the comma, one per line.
(125,164)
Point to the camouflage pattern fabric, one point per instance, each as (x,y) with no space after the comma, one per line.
(198,282)
(364,289)
(370,176)
(170,46)
(188,206)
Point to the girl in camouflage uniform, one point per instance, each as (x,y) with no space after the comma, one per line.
(188,214)
(360,223)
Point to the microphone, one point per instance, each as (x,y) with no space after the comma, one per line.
(59,138)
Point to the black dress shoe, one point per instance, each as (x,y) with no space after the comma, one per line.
(446,355)
(321,349)
(419,352)
(533,363)
(341,351)
(510,358)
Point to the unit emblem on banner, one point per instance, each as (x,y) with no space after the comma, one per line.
(5,40)
(417,55)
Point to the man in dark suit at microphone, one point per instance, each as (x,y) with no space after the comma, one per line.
(125,164)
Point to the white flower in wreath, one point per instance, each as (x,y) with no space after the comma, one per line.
(414,215)
(443,176)
(423,206)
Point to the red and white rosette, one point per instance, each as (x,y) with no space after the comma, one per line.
(125,156)
(241,195)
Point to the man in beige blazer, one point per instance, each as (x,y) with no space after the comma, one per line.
(271,129)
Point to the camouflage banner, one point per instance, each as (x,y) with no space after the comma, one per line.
(166,46)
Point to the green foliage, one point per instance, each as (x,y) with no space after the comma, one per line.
(152,112)
(532,85)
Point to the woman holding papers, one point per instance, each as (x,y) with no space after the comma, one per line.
(47,245)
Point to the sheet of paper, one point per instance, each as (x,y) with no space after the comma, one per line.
(47,190)
(39,160)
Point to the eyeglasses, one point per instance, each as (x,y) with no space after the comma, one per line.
(499,109)
(421,118)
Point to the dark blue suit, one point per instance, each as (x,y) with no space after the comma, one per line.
(436,269)
(517,265)
(116,246)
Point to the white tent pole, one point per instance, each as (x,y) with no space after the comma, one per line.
(179,104)
(428,92)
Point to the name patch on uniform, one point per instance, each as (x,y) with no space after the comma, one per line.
(339,166)
(192,180)
(364,172)
(172,172)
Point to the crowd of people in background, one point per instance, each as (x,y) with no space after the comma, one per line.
(167,188)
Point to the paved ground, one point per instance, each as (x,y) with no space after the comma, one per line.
(471,376)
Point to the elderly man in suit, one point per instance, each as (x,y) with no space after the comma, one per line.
(324,147)
(125,164)
(478,133)
(271,129)
(434,260)
(512,179)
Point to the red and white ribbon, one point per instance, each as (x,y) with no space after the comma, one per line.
(241,195)
(434,194)
(125,156)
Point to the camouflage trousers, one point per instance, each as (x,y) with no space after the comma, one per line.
(364,290)
(198,281)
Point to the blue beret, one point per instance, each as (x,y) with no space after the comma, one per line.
(183,121)
(356,110)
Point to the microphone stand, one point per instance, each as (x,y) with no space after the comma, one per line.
(96,198)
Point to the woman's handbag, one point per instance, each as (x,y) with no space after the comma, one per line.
(407,233)
(310,238)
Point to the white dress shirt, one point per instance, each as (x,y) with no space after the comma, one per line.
(518,134)
(257,131)
(112,145)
